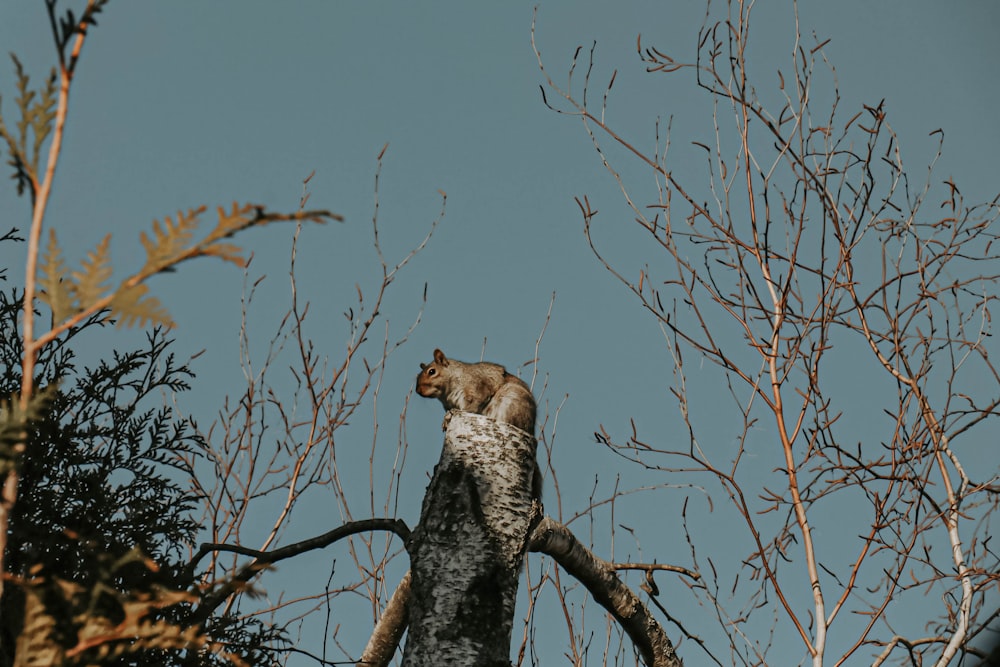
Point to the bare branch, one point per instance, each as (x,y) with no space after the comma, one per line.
(555,540)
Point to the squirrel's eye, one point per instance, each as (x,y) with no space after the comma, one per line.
(430,372)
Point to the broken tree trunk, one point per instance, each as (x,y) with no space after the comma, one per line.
(467,551)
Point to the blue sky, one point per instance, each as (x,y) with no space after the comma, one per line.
(186,103)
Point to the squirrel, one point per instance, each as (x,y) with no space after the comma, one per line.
(483,388)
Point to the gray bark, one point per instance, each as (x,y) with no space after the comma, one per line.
(467,551)
(599,576)
(385,639)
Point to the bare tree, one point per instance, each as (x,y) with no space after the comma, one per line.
(802,263)
(278,454)
(477,521)
(269,456)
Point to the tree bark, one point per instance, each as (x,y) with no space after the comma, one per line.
(389,630)
(467,551)
(600,578)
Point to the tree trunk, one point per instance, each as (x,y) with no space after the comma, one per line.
(467,551)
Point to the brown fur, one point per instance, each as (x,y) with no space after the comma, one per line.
(484,388)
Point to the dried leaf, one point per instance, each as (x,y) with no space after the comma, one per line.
(58,288)
(131,306)
(169,240)
(91,282)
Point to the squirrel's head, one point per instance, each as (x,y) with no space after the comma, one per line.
(429,379)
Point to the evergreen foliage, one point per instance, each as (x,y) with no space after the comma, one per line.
(102,515)
(106,515)
(74,293)
(37,113)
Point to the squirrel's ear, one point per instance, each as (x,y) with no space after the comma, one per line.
(439,356)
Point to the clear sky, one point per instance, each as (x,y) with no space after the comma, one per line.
(184,103)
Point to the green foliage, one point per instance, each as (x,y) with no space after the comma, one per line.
(102,468)
(14,422)
(37,111)
(99,625)
(247,639)
(106,516)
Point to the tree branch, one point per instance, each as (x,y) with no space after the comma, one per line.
(262,559)
(556,540)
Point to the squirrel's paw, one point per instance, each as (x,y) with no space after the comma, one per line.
(447,420)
